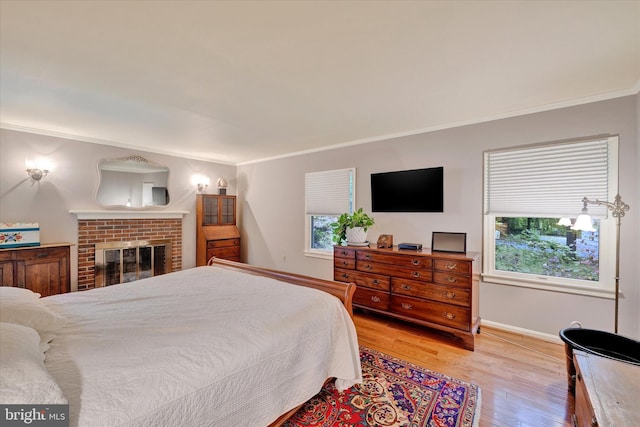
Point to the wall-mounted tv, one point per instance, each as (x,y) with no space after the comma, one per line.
(416,190)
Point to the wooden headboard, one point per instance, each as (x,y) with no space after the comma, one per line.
(344,291)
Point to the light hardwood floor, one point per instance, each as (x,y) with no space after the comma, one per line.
(522,379)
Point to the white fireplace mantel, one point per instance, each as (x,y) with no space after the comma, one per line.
(127,214)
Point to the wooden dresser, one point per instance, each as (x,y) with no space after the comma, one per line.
(216,232)
(438,290)
(44,269)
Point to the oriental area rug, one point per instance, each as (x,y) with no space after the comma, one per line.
(393,393)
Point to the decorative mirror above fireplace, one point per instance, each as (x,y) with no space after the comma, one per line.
(132,182)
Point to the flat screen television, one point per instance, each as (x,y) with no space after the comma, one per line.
(416,190)
(160,196)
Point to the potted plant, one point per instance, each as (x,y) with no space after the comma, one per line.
(352,227)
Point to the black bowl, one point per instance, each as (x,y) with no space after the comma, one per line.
(602,343)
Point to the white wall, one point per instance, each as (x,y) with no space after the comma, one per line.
(272,206)
(73,185)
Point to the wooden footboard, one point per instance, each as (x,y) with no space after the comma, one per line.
(344,291)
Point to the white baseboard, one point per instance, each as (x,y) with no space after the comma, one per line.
(515,329)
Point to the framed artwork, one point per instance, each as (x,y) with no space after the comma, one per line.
(385,241)
(449,242)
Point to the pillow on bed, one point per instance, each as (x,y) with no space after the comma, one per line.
(11,292)
(29,311)
(23,377)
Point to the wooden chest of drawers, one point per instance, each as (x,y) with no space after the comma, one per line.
(437,290)
(223,242)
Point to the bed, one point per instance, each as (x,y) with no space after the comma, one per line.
(227,344)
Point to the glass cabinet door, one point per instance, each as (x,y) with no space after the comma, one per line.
(210,214)
(228,210)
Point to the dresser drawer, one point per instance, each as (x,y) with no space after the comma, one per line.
(395,260)
(415,273)
(451,279)
(343,252)
(372,281)
(348,263)
(432,291)
(452,266)
(443,314)
(371,298)
(212,244)
(40,253)
(224,252)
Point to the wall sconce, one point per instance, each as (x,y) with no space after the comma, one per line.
(222,185)
(38,169)
(583,222)
(201,182)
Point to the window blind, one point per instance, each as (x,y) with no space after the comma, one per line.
(329,192)
(550,180)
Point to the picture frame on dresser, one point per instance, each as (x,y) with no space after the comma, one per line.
(449,242)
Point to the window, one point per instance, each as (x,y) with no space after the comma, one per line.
(328,194)
(527,191)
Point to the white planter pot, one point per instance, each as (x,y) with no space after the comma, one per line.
(356,235)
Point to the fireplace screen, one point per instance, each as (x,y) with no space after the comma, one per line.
(121,262)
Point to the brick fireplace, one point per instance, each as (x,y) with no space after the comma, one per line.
(123,228)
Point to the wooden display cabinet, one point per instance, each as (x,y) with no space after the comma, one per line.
(216,232)
(43,269)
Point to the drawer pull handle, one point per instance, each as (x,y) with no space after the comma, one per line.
(345,253)
(416,261)
(452,266)
(375,282)
(448,315)
(415,274)
(368,267)
(367,256)
(345,263)
(407,306)
(451,279)
(42,255)
(375,298)
(406,287)
(345,276)
(450,294)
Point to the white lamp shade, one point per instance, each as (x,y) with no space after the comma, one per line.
(565,221)
(221,183)
(583,223)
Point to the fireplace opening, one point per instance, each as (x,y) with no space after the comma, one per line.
(122,262)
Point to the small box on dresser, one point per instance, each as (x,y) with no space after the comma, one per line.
(19,234)
(437,290)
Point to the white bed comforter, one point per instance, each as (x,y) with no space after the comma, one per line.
(205,346)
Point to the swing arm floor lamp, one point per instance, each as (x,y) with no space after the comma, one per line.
(583,222)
